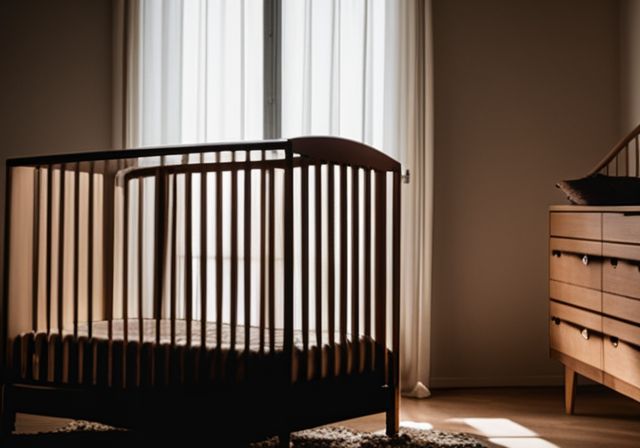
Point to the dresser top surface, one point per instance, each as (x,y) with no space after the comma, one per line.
(595,208)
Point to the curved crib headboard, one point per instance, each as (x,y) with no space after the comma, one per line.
(623,159)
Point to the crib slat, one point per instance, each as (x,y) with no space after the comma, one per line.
(381,269)
(141,258)
(247,259)
(626,165)
(395,411)
(203,259)
(219,258)
(90,251)
(287,216)
(304,255)
(234,258)
(355,269)
(331,290)
(76,245)
(61,243)
(160,253)
(49,243)
(35,265)
(125,270)
(188,254)
(272,276)
(318,274)
(263,256)
(637,157)
(174,259)
(344,269)
(367,264)
(108,243)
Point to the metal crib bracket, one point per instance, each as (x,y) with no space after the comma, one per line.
(406,177)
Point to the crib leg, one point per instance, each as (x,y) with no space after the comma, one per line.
(393,409)
(7,415)
(393,416)
(285,439)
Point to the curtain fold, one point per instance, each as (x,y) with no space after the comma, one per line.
(415,136)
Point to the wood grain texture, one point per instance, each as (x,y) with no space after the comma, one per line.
(621,307)
(576,225)
(620,227)
(569,268)
(587,319)
(576,295)
(577,247)
(621,277)
(569,390)
(568,339)
(622,330)
(622,361)
(619,250)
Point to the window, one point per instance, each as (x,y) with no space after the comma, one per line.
(229,70)
(250,69)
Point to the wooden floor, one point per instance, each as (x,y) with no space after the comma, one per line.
(526,417)
(508,417)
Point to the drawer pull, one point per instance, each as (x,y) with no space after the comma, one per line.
(614,262)
(556,253)
(585,260)
(614,341)
(585,333)
(555,320)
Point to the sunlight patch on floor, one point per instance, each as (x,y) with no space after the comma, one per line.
(416,425)
(505,432)
(522,442)
(496,427)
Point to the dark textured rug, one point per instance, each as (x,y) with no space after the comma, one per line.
(82,433)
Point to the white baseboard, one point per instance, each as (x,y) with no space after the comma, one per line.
(496,381)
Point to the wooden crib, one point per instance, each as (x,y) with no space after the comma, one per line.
(245,288)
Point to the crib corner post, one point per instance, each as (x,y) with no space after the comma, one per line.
(7,414)
(393,411)
(393,403)
(284,439)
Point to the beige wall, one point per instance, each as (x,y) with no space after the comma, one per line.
(526,94)
(55,78)
(55,82)
(629,64)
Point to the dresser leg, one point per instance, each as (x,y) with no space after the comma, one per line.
(569,389)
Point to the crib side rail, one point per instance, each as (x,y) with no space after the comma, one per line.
(295,250)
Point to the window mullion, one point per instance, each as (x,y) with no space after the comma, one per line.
(272,68)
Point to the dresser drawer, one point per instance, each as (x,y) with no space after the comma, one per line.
(576,316)
(576,295)
(621,277)
(570,262)
(622,360)
(576,225)
(573,341)
(619,227)
(621,307)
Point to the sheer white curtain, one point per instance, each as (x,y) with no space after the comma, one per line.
(199,72)
(359,69)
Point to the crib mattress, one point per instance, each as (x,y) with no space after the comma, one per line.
(149,359)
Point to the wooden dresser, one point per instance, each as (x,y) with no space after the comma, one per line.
(594,291)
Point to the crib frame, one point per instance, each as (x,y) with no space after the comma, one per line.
(280,403)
